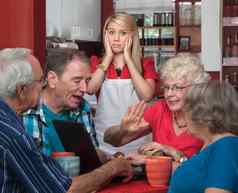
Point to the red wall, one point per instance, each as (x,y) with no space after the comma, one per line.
(23,25)
(16,18)
(106,10)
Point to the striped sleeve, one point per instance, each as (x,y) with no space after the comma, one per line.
(36,172)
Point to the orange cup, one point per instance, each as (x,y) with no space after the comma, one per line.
(158,170)
(56,154)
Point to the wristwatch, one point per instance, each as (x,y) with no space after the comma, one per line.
(182,159)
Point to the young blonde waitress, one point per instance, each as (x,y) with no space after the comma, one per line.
(122,77)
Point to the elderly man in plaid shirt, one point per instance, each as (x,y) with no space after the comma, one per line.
(67,73)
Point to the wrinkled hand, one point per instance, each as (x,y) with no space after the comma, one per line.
(123,168)
(127,50)
(136,158)
(133,120)
(155,148)
(151,148)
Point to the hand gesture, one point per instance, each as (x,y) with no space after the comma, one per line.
(136,158)
(155,148)
(151,148)
(127,50)
(133,120)
(123,167)
(108,49)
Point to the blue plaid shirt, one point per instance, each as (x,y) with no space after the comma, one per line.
(23,168)
(37,126)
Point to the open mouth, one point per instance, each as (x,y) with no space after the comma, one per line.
(116,46)
(76,98)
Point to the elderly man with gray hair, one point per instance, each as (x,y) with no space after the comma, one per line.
(23,168)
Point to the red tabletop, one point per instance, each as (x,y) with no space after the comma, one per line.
(134,187)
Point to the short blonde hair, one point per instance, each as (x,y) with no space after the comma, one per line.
(127,21)
(184,66)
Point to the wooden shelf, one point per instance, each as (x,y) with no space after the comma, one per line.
(158,46)
(230,65)
(192,1)
(230,61)
(188,29)
(230,21)
(190,26)
(229,68)
(156,27)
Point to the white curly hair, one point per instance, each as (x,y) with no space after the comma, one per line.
(15,69)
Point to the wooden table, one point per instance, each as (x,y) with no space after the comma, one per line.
(141,186)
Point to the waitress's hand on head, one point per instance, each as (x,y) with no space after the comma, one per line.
(108,49)
(127,50)
(133,119)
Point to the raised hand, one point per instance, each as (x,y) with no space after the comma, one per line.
(127,50)
(108,49)
(133,120)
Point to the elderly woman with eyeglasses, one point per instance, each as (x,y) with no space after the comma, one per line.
(165,118)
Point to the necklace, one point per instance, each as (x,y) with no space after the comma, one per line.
(118,71)
(179,124)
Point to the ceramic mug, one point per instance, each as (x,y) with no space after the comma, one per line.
(158,170)
(68,161)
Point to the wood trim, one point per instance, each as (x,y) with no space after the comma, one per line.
(215,75)
(40,30)
(106,11)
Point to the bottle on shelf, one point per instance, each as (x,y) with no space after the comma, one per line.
(234,49)
(227,8)
(227,78)
(155,19)
(234,11)
(146,37)
(159,40)
(234,78)
(227,49)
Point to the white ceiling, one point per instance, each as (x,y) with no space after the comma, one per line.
(130,5)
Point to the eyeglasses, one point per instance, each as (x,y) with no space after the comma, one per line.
(175,88)
(40,81)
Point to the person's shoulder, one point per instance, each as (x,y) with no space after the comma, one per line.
(158,106)
(227,141)
(9,128)
(160,103)
(224,146)
(95,59)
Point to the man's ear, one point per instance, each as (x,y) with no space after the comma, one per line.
(21,92)
(52,79)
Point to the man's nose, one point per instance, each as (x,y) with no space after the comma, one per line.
(83,86)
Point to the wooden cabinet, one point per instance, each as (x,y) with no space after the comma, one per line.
(230,41)
(157,33)
(188,25)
